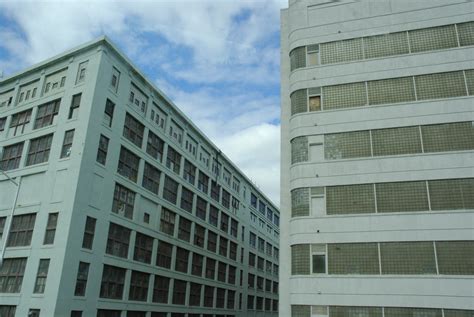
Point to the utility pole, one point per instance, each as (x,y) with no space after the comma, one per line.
(10,219)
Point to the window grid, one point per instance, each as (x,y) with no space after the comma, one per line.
(39,150)
(11,156)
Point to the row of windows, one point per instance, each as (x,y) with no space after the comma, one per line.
(12,272)
(264,210)
(432,195)
(361,311)
(383,45)
(262,284)
(258,262)
(9,311)
(258,243)
(164,290)
(384,91)
(396,258)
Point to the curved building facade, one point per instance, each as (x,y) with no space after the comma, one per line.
(377,192)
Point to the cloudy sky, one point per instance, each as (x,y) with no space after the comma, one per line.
(218,60)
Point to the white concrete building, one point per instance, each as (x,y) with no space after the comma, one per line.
(377,176)
(125,207)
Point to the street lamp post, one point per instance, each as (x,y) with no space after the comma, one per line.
(10,219)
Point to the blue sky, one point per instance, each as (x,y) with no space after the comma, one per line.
(218,60)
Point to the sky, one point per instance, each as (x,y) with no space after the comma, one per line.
(218,60)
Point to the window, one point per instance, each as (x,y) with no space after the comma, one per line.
(155,146)
(74,108)
(133,130)
(225,199)
(197,265)
(252,258)
(176,132)
(253,200)
(161,289)
(201,208)
(220,297)
(210,268)
(261,245)
(51,228)
(11,156)
(191,146)
(199,233)
(11,275)
(7,311)
(235,205)
(259,283)
(253,240)
(81,279)
(164,254)
(167,222)
(203,182)
(2,226)
(182,258)
(81,72)
(19,122)
(39,150)
(208,296)
(211,241)
(173,160)
(262,207)
(224,222)
(319,263)
(179,292)
(223,246)
(124,200)
(113,280)
(3,121)
(213,215)
(170,192)
(215,191)
(46,114)
(67,144)
(109,113)
(195,295)
(89,231)
(115,79)
(143,248)
(41,276)
(33,313)
(108,313)
(102,149)
(187,197)
(221,271)
(189,173)
(268,249)
(139,286)
(21,230)
(231,277)
(260,263)
(251,280)
(118,240)
(184,229)
(233,251)
(151,178)
(233,227)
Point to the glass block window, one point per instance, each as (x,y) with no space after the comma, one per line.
(170,191)
(11,156)
(391,90)
(386,45)
(39,150)
(167,221)
(458,313)
(404,311)
(407,258)
(128,164)
(346,311)
(299,149)
(300,259)
(353,258)
(113,280)
(341,51)
(300,311)
(396,141)
(298,58)
(440,85)
(139,286)
(466,33)
(402,197)
(299,101)
(436,38)
(300,202)
(143,248)
(133,130)
(155,146)
(350,199)
(457,136)
(347,145)
(151,178)
(344,96)
(124,200)
(11,275)
(470,81)
(164,254)
(455,257)
(452,194)
(21,230)
(118,240)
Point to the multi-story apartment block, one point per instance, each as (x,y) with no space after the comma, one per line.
(124,207)
(377,192)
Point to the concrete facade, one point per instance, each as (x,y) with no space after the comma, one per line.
(134,213)
(377,214)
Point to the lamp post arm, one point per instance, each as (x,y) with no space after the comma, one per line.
(9,220)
